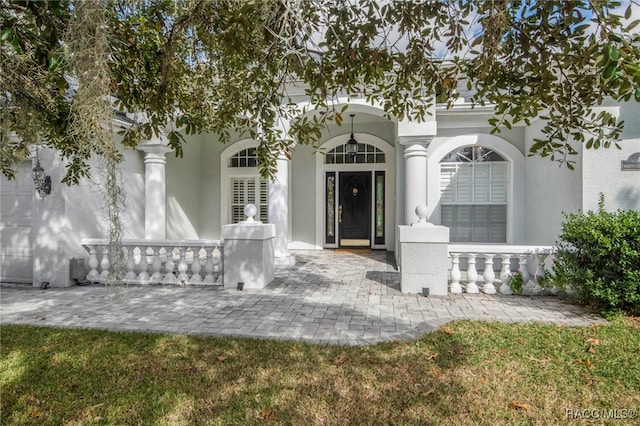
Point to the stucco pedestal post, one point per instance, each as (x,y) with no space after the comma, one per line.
(248,252)
(155,190)
(279,212)
(424,259)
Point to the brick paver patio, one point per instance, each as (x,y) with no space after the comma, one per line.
(327,297)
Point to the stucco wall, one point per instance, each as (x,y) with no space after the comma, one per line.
(183,192)
(550,189)
(210,225)
(70,213)
(515,136)
(303,197)
(602,167)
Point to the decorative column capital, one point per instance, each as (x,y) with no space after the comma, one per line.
(158,145)
(415,150)
(423,140)
(155,148)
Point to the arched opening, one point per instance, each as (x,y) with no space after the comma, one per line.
(476,187)
(474,194)
(241,183)
(357,196)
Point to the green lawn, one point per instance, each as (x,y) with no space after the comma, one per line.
(465,373)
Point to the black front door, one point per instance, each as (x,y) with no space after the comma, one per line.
(354,209)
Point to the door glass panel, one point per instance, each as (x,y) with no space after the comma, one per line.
(330,220)
(379,207)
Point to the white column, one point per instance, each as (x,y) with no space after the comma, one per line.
(154,191)
(279,212)
(415,179)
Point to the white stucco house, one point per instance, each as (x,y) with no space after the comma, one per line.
(483,187)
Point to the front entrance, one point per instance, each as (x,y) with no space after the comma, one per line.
(355,203)
(354,209)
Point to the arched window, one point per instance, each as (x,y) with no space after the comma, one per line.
(245,158)
(366,153)
(246,186)
(474,194)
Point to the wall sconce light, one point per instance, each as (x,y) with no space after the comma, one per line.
(42,181)
(352,145)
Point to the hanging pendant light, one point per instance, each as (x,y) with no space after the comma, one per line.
(352,144)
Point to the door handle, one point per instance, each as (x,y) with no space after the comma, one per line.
(340,213)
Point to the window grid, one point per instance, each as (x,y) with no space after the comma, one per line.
(366,154)
(245,158)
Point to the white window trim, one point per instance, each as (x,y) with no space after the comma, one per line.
(226,173)
(516,215)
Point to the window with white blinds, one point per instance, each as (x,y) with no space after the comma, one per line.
(474,184)
(249,190)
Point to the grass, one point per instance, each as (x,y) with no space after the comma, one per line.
(465,373)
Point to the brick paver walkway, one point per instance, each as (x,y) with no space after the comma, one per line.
(326,297)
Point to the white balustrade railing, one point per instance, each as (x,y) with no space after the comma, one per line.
(160,261)
(498,264)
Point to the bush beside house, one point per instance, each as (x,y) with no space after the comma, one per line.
(598,255)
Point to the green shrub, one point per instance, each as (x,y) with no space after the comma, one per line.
(515,282)
(598,255)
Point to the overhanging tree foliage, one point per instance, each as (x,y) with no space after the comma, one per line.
(196,66)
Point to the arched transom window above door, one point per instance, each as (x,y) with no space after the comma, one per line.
(474,188)
(366,154)
(245,158)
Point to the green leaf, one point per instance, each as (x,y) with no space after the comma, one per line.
(54,62)
(6,34)
(609,71)
(613,53)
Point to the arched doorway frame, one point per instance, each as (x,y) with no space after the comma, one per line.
(388,167)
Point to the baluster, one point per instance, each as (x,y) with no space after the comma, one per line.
(472,274)
(156,276)
(488,275)
(131,264)
(532,286)
(104,265)
(183,278)
(455,286)
(208,267)
(169,278)
(220,279)
(554,289)
(524,270)
(195,267)
(143,277)
(541,273)
(505,274)
(93,274)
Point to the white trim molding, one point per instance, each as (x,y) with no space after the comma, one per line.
(226,173)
